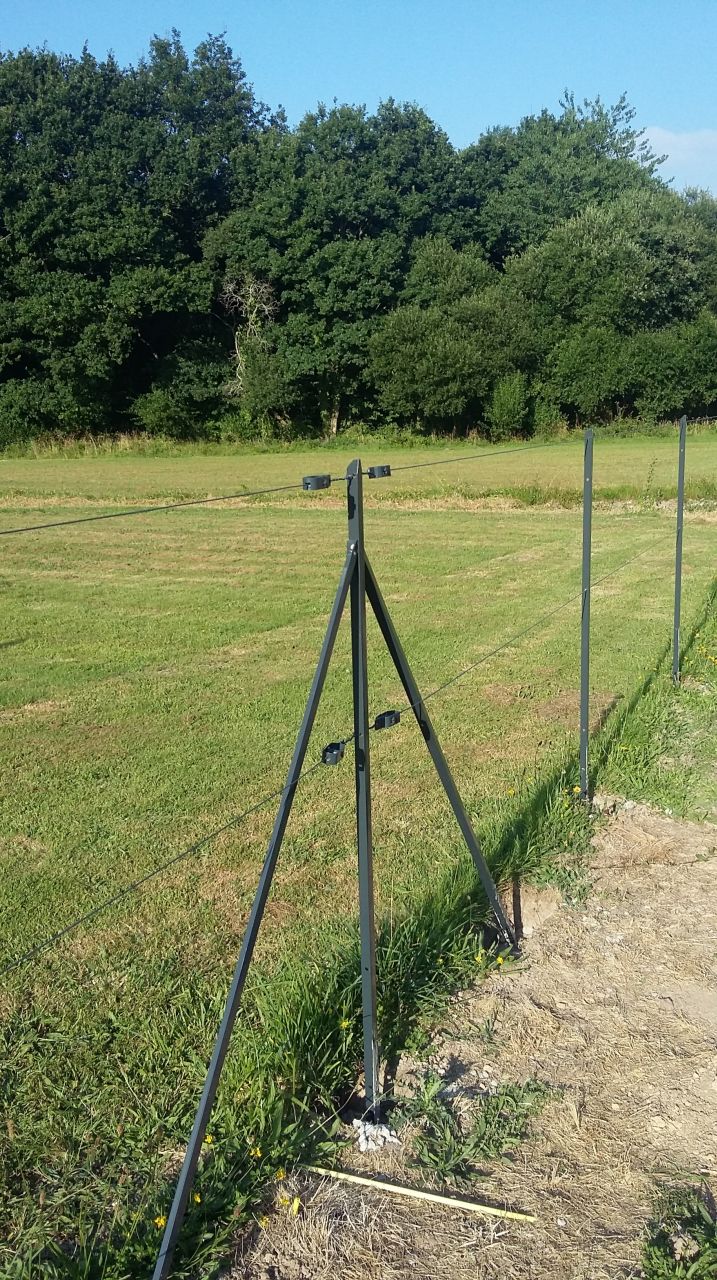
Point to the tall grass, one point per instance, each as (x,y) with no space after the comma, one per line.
(140,444)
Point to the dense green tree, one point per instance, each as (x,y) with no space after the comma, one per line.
(632,264)
(628,268)
(517,183)
(174,259)
(673,370)
(109,181)
(334,213)
(508,410)
(585,373)
(559,313)
(436,356)
(441,275)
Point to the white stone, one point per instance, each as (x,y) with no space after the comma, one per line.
(371,1137)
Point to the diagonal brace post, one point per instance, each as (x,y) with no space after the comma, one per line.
(221,1044)
(442,768)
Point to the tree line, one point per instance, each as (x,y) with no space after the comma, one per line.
(175,259)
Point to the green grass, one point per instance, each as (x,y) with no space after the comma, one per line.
(682,1241)
(155,674)
(665,751)
(641,470)
(143,445)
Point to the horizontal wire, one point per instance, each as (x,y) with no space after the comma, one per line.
(534,626)
(611,572)
(134,885)
(469,457)
(257,493)
(141,511)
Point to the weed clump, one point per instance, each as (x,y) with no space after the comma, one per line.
(451,1151)
(682,1242)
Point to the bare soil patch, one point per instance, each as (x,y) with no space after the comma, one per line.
(564,707)
(615,1007)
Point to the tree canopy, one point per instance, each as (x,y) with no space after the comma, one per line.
(174,258)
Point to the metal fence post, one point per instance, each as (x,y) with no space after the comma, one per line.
(678,551)
(585,629)
(363,787)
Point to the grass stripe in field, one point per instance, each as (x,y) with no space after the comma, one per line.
(631,469)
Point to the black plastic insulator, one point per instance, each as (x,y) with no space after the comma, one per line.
(380,472)
(386,719)
(316,482)
(333,753)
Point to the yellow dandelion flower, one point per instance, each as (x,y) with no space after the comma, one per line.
(263,1222)
(280,1175)
(480,957)
(499,960)
(197,1198)
(576,790)
(255,1152)
(209,1138)
(160,1221)
(344,1024)
(283,1201)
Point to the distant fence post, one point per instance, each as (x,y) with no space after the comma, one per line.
(678,550)
(362,765)
(585,628)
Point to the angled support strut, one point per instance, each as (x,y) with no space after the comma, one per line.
(221,1044)
(418,707)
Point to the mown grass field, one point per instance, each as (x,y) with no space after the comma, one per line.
(625,468)
(155,674)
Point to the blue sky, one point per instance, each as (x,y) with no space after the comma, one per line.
(470,63)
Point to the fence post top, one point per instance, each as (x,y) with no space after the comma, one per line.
(354,468)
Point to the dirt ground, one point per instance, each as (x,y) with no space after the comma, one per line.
(615,1006)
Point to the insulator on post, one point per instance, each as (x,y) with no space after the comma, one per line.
(386,719)
(333,753)
(379,472)
(316,482)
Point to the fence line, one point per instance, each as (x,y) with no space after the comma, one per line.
(325,482)
(678,553)
(585,613)
(358,580)
(143,511)
(469,457)
(358,574)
